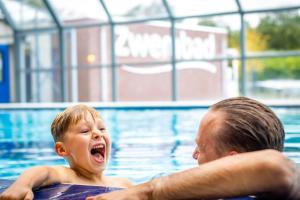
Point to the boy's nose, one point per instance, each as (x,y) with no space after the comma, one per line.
(96,134)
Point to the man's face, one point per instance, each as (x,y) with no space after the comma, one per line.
(206,144)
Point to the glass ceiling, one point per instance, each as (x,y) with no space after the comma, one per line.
(79,11)
(249,5)
(29,14)
(1,15)
(134,9)
(182,8)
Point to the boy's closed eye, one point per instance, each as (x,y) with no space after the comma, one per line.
(84,130)
(102,128)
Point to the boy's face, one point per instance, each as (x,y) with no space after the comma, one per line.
(87,145)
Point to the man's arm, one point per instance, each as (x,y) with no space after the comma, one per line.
(31,178)
(250,173)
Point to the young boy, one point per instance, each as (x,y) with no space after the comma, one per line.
(81,138)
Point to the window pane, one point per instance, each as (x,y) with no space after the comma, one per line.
(200,7)
(6,34)
(29,14)
(206,38)
(135,9)
(145,82)
(277,31)
(42,51)
(88,63)
(202,80)
(145,42)
(1,15)
(41,86)
(40,68)
(5,30)
(249,5)
(93,83)
(274,78)
(79,12)
(92,45)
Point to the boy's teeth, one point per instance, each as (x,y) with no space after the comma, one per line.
(98,146)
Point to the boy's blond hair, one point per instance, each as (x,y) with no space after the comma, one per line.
(70,116)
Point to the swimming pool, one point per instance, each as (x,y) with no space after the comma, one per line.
(147,142)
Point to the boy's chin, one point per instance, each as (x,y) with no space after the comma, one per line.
(100,169)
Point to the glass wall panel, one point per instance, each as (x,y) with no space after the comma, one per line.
(250,5)
(202,80)
(40,68)
(207,38)
(274,78)
(94,83)
(28,14)
(79,12)
(145,82)
(5,29)
(42,86)
(88,53)
(146,42)
(273,31)
(1,15)
(203,44)
(93,46)
(6,33)
(135,9)
(183,8)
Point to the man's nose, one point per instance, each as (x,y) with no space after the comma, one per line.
(196,154)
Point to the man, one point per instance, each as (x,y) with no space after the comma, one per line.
(237,125)
(231,128)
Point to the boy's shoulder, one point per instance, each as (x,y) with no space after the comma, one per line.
(64,173)
(62,169)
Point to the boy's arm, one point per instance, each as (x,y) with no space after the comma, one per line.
(251,173)
(30,179)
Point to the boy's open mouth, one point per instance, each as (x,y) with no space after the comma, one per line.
(98,152)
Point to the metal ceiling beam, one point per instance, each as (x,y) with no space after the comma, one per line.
(114,77)
(8,17)
(61,34)
(53,14)
(110,19)
(173,46)
(136,21)
(243,39)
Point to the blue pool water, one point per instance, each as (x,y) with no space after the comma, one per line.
(146,142)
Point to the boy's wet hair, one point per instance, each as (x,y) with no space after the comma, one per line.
(70,116)
(248,125)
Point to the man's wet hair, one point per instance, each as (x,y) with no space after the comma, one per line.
(248,125)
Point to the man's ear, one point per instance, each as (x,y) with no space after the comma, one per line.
(232,153)
(60,149)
